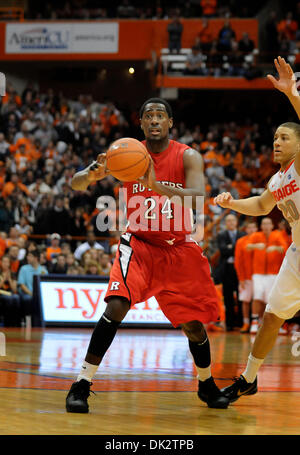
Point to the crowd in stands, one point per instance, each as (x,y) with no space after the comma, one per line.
(224,55)
(46,227)
(133,9)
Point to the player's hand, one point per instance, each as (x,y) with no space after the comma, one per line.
(98,169)
(287,81)
(224,200)
(149,179)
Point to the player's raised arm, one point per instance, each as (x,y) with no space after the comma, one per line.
(95,171)
(287,85)
(253,206)
(286,82)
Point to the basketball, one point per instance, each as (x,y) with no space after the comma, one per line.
(127,159)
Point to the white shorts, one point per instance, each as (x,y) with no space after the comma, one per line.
(245,294)
(284,298)
(262,285)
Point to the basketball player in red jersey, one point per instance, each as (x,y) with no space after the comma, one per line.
(151,261)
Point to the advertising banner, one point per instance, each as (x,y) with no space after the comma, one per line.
(62,38)
(82,301)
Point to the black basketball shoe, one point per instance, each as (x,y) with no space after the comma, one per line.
(211,395)
(239,388)
(76,400)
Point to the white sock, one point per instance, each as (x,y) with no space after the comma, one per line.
(255,317)
(252,368)
(203,373)
(246,320)
(87,371)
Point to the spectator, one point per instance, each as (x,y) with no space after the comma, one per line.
(175,29)
(6,220)
(243,267)
(13,254)
(23,226)
(22,248)
(285,47)
(285,230)
(9,299)
(243,188)
(43,259)
(235,60)
(246,45)
(90,243)
(59,265)
(105,264)
(268,249)
(29,304)
(58,218)
(13,237)
(205,36)
(125,10)
(12,185)
(226,35)
(54,249)
(195,65)
(4,148)
(227,274)
(209,8)
(40,187)
(77,225)
(93,268)
(215,174)
(74,270)
(227,187)
(287,28)
(71,261)
(215,58)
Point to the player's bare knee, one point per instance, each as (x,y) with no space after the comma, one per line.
(271,321)
(117,308)
(194,330)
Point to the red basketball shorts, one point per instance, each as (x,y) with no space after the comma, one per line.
(178,276)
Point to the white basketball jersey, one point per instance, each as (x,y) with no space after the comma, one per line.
(285,187)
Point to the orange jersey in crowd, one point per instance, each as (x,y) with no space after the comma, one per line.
(243,259)
(209,7)
(287,237)
(50,251)
(242,187)
(2,247)
(263,262)
(9,187)
(14,266)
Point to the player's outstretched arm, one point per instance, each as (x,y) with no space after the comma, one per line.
(253,206)
(287,84)
(95,171)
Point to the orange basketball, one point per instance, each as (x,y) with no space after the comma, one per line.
(127,159)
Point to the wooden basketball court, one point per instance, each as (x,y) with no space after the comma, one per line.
(146,385)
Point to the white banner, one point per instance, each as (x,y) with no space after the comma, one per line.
(62,38)
(84,302)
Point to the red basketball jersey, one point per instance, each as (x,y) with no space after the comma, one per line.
(155,218)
